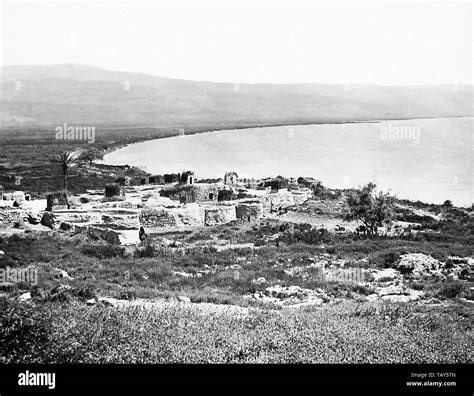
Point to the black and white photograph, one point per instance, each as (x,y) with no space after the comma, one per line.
(242,191)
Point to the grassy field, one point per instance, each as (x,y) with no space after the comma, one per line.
(56,325)
(343,333)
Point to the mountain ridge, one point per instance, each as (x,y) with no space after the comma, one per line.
(82,94)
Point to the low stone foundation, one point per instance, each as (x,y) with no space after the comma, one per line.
(156,218)
(9,217)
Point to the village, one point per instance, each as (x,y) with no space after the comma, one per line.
(122,213)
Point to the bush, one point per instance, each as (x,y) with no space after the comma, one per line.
(112,190)
(102,250)
(452,289)
(386,259)
(147,250)
(24,332)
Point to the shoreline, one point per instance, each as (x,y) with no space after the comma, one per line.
(260,126)
(104,161)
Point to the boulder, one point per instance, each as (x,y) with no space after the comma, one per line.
(50,220)
(65,226)
(34,218)
(25,296)
(184,299)
(385,275)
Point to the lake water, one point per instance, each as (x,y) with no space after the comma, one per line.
(429,160)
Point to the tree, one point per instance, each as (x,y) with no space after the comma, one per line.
(65,161)
(370,207)
(447,204)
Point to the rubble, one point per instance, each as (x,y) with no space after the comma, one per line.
(419,264)
(290,296)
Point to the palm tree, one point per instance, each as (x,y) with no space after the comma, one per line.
(65,161)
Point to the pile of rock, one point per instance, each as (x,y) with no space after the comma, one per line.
(53,220)
(461,268)
(395,293)
(419,265)
(11,217)
(291,296)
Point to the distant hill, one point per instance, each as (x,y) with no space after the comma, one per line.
(86,95)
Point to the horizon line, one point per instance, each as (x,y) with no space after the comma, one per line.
(471,84)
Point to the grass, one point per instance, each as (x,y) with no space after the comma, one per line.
(57,326)
(343,333)
(151,270)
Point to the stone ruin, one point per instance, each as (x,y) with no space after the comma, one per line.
(18,197)
(219,215)
(56,201)
(225,195)
(185,194)
(230,178)
(249,211)
(156,218)
(187,178)
(12,217)
(206,192)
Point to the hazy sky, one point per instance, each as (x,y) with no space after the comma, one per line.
(252,41)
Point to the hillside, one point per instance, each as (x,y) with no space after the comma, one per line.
(78,94)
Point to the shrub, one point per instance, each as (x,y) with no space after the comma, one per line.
(452,289)
(147,250)
(371,208)
(112,190)
(386,259)
(102,250)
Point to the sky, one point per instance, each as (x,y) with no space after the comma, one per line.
(250,41)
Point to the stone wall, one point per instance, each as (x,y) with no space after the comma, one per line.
(219,215)
(122,221)
(284,199)
(56,200)
(206,192)
(156,218)
(54,219)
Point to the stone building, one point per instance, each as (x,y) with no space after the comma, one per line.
(230,178)
(17,197)
(206,192)
(56,201)
(187,178)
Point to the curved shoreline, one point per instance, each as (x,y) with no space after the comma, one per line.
(199,130)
